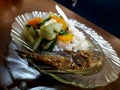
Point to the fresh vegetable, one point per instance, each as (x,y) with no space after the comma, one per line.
(52,45)
(43,33)
(57,27)
(65,38)
(62,32)
(60,20)
(47,32)
(37,43)
(32,32)
(44,21)
(28,37)
(34,21)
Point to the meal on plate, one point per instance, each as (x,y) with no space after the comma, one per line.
(60,44)
(52,33)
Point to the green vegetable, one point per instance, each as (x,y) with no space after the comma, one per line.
(63,32)
(57,27)
(32,32)
(47,32)
(45,47)
(27,26)
(52,45)
(44,21)
(43,35)
(42,44)
(28,37)
(61,17)
(37,43)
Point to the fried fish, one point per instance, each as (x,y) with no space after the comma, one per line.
(85,61)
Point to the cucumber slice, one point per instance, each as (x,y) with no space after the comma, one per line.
(47,32)
(37,43)
(29,39)
(32,32)
(57,27)
(49,36)
(50,22)
(52,45)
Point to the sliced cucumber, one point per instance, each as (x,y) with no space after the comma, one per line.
(29,39)
(57,27)
(32,32)
(50,22)
(52,45)
(49,36)
(37,43)
(48,32)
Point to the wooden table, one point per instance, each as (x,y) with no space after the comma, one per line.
(9,9)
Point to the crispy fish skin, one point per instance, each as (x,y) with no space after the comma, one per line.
(60,60)
(87,59)
(81,60)
(56,61)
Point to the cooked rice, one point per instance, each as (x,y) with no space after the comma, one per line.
(79,41)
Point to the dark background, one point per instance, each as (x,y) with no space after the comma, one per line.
(104,13)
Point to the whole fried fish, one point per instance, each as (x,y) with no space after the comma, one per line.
(82,60)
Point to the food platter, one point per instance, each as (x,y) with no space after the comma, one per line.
(109,72)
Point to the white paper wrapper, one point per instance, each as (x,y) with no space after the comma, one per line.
(19,68)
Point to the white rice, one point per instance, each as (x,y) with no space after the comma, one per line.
(79,41)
